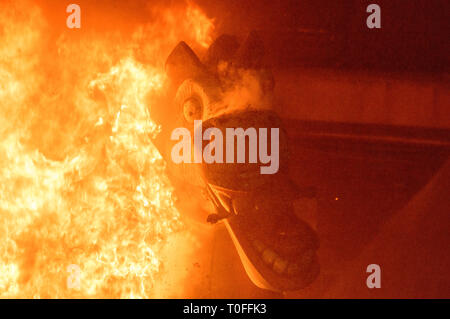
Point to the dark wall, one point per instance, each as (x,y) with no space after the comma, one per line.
(414,34)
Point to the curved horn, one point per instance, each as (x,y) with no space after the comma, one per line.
(251,52)
(183,63)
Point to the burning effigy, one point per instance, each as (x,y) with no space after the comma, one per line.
(233,89)
(211,149)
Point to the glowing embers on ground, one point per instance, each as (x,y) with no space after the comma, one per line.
(80,181)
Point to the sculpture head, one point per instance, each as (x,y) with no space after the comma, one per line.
(232,88)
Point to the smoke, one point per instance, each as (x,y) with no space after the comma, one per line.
(244,88)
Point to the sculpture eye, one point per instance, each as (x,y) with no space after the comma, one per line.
(192,109)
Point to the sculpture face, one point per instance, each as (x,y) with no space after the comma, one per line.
(232,90)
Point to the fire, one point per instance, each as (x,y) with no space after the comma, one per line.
(81,182)
(202,26)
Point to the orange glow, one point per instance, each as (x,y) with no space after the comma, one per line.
(81,182)
(201,25)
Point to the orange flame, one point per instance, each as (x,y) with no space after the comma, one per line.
(202,26)
(81,182)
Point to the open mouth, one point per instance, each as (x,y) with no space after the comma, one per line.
(277,249)
(280,273)
(282,266)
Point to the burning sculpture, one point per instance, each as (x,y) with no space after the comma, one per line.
(233,88)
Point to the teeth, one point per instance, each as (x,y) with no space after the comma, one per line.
(279,265)
(269,256)
(259,246)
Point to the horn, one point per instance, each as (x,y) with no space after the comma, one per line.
(183,63)
(251,52)
(222,49)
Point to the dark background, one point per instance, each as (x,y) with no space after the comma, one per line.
(330,33)
(414,34)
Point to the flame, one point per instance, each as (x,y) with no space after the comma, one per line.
(81,182)
(202,26)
